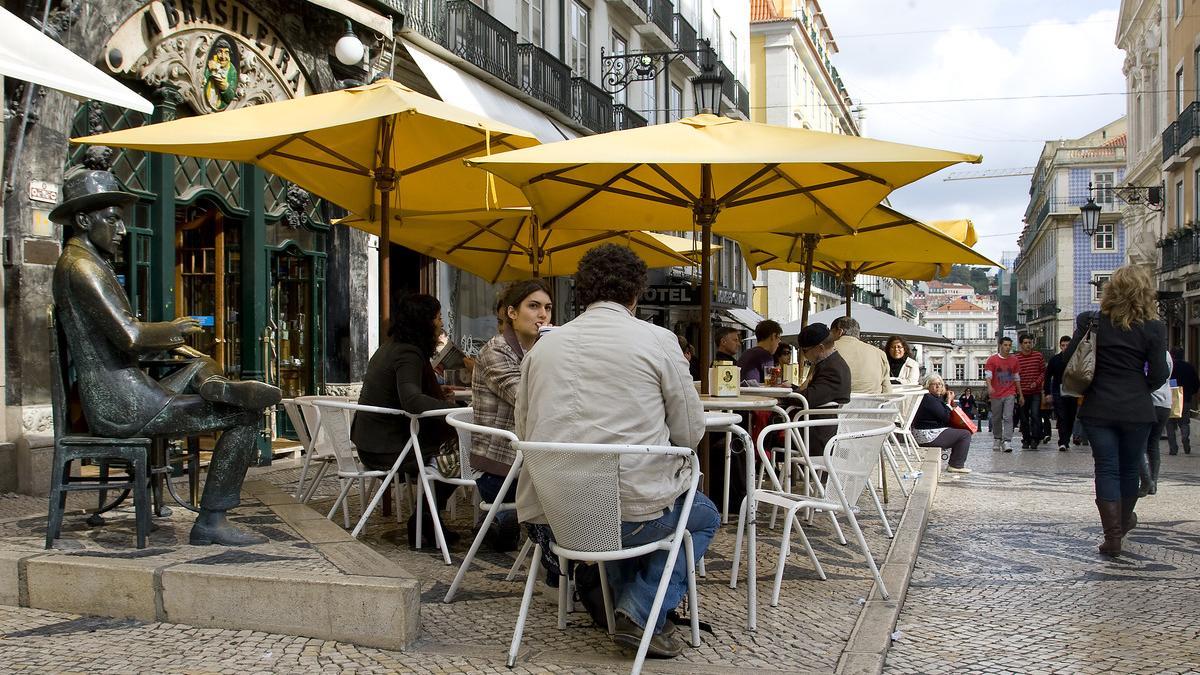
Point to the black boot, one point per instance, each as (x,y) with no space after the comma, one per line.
(1128,517)
(211,527)
(1110,520)
(441,493)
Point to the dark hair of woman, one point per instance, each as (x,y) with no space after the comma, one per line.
(515,293)
(413,315)
(897,338)
(610,272)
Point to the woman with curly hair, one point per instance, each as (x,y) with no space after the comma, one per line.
(902,366)
(400,376)
(1117,408)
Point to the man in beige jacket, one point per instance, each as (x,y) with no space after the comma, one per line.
(608,377)
(869,371)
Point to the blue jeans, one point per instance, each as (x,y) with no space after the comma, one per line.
(1117,449)
(635,581)
(489,485)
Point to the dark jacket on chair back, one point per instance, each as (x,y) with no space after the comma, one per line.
(1129,365)
(398,376)
(830,383)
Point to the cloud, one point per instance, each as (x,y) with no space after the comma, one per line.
(1059,48)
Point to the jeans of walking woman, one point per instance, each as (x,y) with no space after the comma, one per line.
(958,441)
(1117,449)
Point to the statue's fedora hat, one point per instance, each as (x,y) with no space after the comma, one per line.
(87,190)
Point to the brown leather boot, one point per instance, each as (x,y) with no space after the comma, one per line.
(1128,517)
(1110,520)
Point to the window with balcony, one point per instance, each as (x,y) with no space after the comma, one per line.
(1179,90)
(937,328)
(714,34)
(618,45)
(979,368)
(675,104)
(982,329)
(1105,238)
(960,331)
(1098,281)
(531,22)
(1196,74)
(1196,192)
(1178,204)
(731,54)
(1102,181)
(650,101)
(960,371)
(579,27)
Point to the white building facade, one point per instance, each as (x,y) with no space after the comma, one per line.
(971,322)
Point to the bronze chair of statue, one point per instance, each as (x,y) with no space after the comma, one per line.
(69,448)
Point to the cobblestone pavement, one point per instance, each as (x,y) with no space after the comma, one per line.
(1008,578)
(806,633)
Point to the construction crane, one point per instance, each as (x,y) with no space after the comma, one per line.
(990,173)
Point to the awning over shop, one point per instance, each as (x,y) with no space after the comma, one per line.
(27,54)
(461,89)
(746,317)
(359,13)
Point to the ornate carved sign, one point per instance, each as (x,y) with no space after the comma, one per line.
(218,53)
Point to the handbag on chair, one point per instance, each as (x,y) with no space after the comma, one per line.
(1081,366)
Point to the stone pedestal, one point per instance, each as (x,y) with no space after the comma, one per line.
(35,456)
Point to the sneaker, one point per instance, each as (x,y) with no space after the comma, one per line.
(1077,440)
(663,645)
(1046,440)
(958,469)
(1063,448)
(997,445)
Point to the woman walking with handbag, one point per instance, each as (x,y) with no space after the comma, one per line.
(1125,342)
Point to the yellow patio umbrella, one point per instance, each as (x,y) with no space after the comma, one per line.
(714,174)
(888,243)
(962,229)
(507,244)
(376,146)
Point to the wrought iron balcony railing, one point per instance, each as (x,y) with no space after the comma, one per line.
(476,36)
(544,77)
(624,117)
(743,100)
(1170,144)
(685,37)
(592,106)
(427,17)
(659,13)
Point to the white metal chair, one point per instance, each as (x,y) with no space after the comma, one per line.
(333,418)
(463,420)
(305,418)
(424,489)
(853,453)
(579,488)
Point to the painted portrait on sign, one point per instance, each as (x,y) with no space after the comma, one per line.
(221,74)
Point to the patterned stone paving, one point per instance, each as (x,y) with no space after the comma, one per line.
(1008,578)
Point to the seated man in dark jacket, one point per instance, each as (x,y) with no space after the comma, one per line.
(828,381)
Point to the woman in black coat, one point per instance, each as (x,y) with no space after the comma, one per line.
(931,425)
(1117,410)
(400,376)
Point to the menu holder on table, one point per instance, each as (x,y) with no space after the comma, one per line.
(724,379)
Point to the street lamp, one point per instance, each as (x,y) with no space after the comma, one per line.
(618,71)
(349,50)
(706,87)
(1091,216)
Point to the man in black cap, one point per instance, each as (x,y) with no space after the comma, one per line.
(105,340)
(828,381)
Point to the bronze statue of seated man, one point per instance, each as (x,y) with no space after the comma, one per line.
(106,340)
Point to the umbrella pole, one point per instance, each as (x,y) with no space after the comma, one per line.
(810,245)
(385,183)
(848,282)
(705,212)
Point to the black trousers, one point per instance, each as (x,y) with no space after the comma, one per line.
(1030,413)
(1065,407)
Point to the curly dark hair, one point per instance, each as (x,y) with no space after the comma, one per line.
(610,272)
(412,321)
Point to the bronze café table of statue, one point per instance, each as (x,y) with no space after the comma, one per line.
(115,356)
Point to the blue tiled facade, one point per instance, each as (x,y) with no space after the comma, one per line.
(1088,261)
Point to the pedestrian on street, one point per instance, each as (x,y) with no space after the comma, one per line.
(1117,408)
(1184,375)
(967,402)
(1002,372)
(1033,372)
(1153,457)
(1065,407)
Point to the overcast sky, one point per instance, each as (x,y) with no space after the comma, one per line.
(895,51)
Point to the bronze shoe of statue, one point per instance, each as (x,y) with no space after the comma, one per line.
(248,394)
